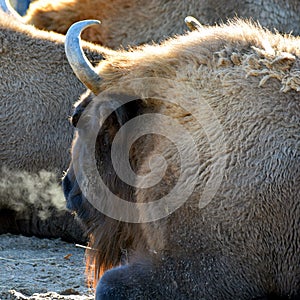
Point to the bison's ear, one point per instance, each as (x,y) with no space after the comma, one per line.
(79,108)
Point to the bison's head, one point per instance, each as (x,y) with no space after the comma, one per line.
(109,239)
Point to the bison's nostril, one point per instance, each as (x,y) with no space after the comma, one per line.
(67,186)
(72,193)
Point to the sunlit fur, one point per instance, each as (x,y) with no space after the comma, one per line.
(245,243)
(133,22)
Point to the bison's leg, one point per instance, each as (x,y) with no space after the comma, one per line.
(135,282)
(185,277)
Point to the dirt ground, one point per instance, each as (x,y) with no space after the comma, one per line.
(33,268)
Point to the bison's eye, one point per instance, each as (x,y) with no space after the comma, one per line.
(76,116)
(80,117)
(79,109)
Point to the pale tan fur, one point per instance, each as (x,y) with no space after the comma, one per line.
(269,54)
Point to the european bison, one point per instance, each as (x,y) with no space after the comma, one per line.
(185,165)
(132,22)
(37,87)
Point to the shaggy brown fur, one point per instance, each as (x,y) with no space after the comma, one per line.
(245,243)
(133,22)
(37,89)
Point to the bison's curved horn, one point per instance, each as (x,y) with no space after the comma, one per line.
(82,68)
(192,23)
(7,8)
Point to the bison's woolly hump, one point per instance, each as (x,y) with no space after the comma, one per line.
(234,86)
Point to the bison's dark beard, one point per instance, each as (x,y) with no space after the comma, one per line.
(109,240)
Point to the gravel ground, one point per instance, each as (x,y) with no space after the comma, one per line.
(33,268)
